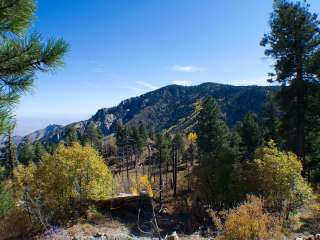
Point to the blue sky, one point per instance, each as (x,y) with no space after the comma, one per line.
(123,48)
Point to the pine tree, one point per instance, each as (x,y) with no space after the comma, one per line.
(71,136)
(216,155)
(26,151)
(271,121)
(143,132)
(190,155)
(136,140)
(250,133)
(121,141)
(312,163)
(294,44)
(93,136)
(22,55)
(177,151)
(9,153)
(38,151)
(212,131)
(162,145)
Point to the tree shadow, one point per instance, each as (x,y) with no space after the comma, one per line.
(310,220)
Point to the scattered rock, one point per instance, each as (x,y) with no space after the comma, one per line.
(98,235)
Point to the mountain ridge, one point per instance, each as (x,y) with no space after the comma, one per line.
(167,107)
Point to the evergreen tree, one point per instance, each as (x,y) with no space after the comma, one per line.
(93,136)
(26,151)
(120,135)
(38,151)
(143,132)
(177,151)
(9,154)
(121,142)
(71,136)
(294,44)
(190,155)
(250,133)
(162,145)
(212,131)
(312,162)
(217,157)
(50,147)
(136,140)
(21,55)
(271,121)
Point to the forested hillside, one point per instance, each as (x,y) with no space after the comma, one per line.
(168,108)
(211,161)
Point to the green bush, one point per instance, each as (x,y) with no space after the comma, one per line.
(6,202)
(279,178)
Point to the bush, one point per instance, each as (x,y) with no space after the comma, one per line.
(143,185)
(94,216)
(279,178)
(6,202)
(16,225)
(63,181)
(249,221)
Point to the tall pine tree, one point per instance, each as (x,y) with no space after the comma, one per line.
(294,44)
(212,131)
(271,121)
(9,154)
(250,133)
(26,151)
(216,155)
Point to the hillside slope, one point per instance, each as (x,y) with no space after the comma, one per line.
(171,107)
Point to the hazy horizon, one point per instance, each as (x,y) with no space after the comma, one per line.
(126,48)
(27,124)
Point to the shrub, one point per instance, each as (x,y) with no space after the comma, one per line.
(16,225)
(143,185)
(249,221)
(94,216)
(70,176)
(6,202)
(279,178)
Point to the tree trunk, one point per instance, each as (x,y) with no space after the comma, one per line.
(127,163)
(301,115)
(160,176)
(175,173)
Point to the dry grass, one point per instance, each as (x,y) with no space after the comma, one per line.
(249,221)
(16,225)
(86,229)
(308,221)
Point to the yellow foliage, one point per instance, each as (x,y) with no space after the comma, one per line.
(192,136)
(142,185)
(198,106)
(249,221)
(23,177)
(69,175)
(280,177)
(145,185)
